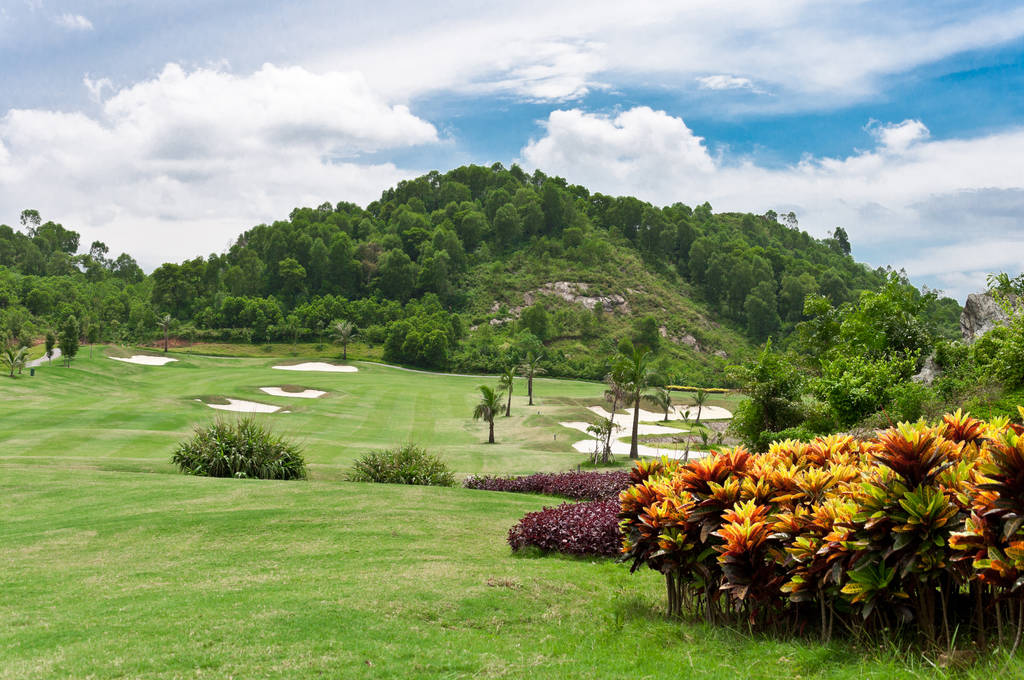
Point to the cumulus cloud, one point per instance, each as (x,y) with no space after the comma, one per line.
(909,190)
(725,82)
(181,163)
(74,22)
(898,137)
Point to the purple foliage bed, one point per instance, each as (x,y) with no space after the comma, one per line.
(581,486)
(590,528)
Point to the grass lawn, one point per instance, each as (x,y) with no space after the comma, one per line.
(126,575)
(111,415)
(109,573)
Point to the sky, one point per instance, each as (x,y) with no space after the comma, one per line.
(165,129)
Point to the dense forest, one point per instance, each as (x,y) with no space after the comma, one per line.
(467,270)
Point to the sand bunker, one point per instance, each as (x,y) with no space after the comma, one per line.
(304,394)
(625,422)
(318,366)
(706,413)
(144,360)
(243,406)
(621,448)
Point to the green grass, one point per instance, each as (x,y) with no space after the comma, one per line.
(116,416)
(119,575)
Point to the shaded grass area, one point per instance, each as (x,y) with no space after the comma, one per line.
(105,414)
(112,575)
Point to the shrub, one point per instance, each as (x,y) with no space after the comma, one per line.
(244,448)
(918,529)
(406,464)
(581,486)
(590,528)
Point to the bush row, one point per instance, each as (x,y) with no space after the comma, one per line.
(589,528)
(919,529)
(581,486)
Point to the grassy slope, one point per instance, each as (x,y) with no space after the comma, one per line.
(669,299)
(110,575)
(108,414)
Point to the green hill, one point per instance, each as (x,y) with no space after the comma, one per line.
(466,270)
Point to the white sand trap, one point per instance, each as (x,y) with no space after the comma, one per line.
(304,394)
(144,360)
(243,406)
(706,413)
(621,448)
(625,422)
(318,366)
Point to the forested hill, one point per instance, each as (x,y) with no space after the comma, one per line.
(465,270)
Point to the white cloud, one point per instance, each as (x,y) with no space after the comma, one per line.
(908,191)
(725,82)
(96,87)
(898,137)
(817,55)
(181,163)
(74,22)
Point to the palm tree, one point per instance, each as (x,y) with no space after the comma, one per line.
(663,399)
(636,375)
(506,380)
(529,368)
(165,325)
(343,331)
(13,358)
(487,408)
(700,398)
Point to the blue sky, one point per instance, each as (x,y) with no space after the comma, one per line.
(164,129)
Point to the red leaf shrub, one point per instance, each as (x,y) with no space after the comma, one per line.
(582,486)
(590,528)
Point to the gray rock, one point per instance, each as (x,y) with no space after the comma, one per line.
(929,371)
(981,314)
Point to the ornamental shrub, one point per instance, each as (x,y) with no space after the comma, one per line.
(574,528)
(243,449)
(581,486)
(406,464)
(919,529)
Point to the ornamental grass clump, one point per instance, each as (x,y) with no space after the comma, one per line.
(918,530)
(406,464)
(242,449)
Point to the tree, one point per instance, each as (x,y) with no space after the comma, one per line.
(662,398)
(535,319)
(616,394)
(68,338)
(700,398)
(13,358)
(487,408)
(842,240)
(507,379)
(529,368)
(343,331)
(165,322)
(636,376)
(51,342)
(92,336)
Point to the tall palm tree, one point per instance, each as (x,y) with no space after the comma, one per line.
(13,358)
(662,398)
(506,380)
(529,368)
(165,325)
(636,374)
(700,398)
(343,332)
(487,408)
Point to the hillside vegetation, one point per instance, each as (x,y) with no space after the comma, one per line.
(468,270)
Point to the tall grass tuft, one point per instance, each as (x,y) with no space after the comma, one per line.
(406,464)
(242,449)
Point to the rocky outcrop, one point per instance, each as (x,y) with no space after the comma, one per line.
(929,371)
(577,294)
(981,314)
